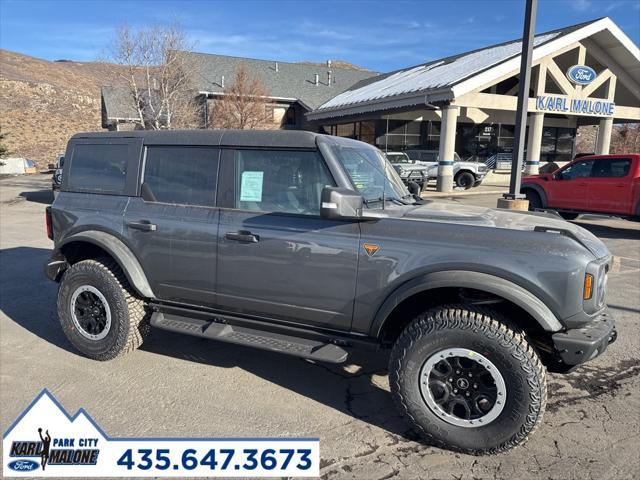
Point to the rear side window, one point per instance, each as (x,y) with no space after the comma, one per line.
(611,168)
(181,175)
(99,168)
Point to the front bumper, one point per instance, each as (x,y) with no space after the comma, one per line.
(580,345)
(417,177)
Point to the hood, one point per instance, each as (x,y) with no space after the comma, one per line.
(509,219)
(409,166)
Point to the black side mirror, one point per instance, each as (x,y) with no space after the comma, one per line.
(557,176)
(340,204)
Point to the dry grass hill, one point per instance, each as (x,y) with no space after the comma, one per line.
(43,103)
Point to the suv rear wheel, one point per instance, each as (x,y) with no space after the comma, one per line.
(98,311)
(466,381)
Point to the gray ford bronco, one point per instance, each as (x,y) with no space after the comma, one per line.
(310,245)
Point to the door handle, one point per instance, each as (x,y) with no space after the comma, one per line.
(583,184)
(144,225)
(244,236)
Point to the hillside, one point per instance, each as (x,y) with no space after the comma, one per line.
(43,103)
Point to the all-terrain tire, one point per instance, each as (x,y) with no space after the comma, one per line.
(569,215)
(483,331)
(535,201)
(465,180)
(129,316)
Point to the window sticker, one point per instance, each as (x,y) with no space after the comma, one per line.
(251,187)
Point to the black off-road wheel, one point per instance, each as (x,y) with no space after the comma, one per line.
(467,381)
(98,311)
(465,180)
(534,199)
(569,215)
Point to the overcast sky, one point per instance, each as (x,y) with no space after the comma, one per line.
(380,35)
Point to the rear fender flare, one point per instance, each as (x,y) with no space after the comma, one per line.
(123,256)
(466,279)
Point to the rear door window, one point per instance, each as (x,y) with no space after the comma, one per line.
(99,168)
(181,175)
(611,168)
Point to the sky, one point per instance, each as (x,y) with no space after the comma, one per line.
(379,35)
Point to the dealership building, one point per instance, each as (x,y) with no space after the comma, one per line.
(586,74)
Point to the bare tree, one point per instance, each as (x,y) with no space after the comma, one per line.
(626,138)
(156,74)
(244,104)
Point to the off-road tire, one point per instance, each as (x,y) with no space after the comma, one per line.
(534,199)
(569,216)
(488,333)
(129,316)
(465,180)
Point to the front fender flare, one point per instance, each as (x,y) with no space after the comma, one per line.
(123,256)
(539,190)
(466,279)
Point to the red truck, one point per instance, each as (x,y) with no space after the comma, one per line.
(604,184)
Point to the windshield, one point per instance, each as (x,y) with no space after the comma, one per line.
(371,173)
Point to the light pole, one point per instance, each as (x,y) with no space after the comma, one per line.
(514,199)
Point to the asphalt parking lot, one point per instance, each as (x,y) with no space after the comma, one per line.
(182,386)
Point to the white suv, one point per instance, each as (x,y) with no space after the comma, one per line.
(465,174)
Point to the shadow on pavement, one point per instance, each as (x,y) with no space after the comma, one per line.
(28,298)
(348,388)
(38,196)
(604,231)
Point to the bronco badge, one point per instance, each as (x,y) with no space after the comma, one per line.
(371,248)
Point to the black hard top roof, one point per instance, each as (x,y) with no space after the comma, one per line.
(240,138)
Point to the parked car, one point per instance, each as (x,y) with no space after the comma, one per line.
(409,170)
(310,245)
(56,178)
(604,184)
(465,174)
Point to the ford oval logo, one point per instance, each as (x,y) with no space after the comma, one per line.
(581,74)
(23,465)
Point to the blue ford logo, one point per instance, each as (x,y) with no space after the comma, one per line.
(581,74)
(23,465)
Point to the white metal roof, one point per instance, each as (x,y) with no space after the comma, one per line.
(454,76)
(439,74)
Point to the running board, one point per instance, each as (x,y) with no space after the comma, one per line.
(275,342)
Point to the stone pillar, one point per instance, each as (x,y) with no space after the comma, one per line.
(604,136)
(536,120)
(447,148)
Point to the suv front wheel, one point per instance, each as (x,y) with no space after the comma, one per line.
(465,180)
(98,311)
(466,381)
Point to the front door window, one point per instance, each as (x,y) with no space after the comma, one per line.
(280,181)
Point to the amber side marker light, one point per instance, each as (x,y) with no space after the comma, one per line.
(588,286)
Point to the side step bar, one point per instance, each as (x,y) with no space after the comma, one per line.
(275,342)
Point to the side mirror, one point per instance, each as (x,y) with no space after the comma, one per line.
(557,176)
(340,204)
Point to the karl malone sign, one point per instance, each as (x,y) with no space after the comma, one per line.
(575,106)
(580,75)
